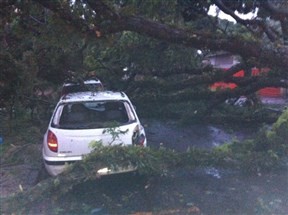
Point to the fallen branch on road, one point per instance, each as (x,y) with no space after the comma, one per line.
(265,152)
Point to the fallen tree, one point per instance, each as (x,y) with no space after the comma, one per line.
(163,42)
(269,150)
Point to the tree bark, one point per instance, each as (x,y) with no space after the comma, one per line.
(108,22)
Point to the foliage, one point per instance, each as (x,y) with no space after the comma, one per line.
(255,114)
(266,152)
(153,50)
(269,149)
(114,131)
(158,63)
(21,138)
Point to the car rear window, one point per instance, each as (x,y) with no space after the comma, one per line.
(91,115)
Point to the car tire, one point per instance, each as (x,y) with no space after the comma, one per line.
(43,174)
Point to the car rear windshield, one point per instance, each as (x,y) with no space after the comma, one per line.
(91,115)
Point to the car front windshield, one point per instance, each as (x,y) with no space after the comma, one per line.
(91,115)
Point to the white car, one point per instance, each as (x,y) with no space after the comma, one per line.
(83,117)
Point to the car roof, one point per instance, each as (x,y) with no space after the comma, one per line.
(93,96)
(92,81)
(89,81)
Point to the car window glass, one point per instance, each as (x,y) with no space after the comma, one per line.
(57,115)
(129,111)
(95,114)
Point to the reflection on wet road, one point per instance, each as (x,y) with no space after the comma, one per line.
(169,134)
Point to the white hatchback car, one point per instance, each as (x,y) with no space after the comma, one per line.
(81,118)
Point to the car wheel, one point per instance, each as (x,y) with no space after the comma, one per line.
(43,174)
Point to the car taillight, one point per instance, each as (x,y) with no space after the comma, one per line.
(52,141)
(137,138)
(141,140)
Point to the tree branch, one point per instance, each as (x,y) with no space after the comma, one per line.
(246,48)
(250,24)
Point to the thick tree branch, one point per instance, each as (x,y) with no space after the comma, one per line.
(250,24)
(64,12)
(102,10)
(199,40)
(226,10)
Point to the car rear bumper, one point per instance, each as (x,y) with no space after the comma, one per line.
(56,165)
(54,168)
